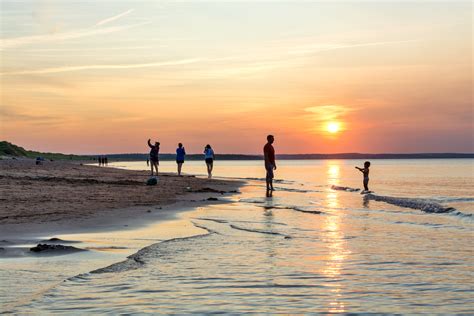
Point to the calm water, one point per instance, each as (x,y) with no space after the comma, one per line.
(309,249)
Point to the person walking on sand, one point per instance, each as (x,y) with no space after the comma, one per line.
(180,153)
(154,151)
(209,158)
(365,172)
(270,164)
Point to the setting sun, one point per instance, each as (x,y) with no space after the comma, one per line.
(333,127)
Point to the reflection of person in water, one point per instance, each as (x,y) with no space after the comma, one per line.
(365,172)
(270,164)
(154,151)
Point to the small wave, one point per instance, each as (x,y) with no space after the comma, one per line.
(263,179)
(294,208)
(418,204)
(453,199)
(347,189)
(221,221)
(254,201)
(259,231)
(294,190)
(205,228)
(137,259)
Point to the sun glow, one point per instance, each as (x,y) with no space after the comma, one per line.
(333,127)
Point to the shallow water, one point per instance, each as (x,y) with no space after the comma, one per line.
(309,249)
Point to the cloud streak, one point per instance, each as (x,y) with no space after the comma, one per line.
(316,48)
(101,67)
(36,39)
(114,18)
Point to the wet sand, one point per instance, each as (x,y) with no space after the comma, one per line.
(69,196)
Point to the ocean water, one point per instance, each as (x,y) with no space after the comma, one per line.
(407,248)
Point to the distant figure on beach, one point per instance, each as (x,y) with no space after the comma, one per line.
(99,159)
(180,153)
(270,164)
(154,151)
(147,162)
(365,172)
(209,158)
(106,161)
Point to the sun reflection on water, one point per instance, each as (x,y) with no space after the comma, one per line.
(337,251)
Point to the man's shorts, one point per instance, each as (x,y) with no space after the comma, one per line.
(269,168)
(179,161)
(209,161)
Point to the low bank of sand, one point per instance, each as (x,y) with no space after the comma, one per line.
(69,195)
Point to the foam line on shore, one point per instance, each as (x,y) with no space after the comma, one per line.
(347,189)
(413,203)
(258,231)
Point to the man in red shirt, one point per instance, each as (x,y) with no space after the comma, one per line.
(270,165)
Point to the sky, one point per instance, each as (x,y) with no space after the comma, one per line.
(91,77)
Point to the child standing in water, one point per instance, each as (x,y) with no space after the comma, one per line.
(365,171)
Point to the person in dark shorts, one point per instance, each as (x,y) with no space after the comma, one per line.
(270,164)
(180,153)
(209,158)
(154,151)
(365,171)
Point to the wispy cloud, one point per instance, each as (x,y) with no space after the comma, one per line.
(97,29)
(11,114)
(324,113)
(114,18)
(100,67)
(316,48)
(45,38)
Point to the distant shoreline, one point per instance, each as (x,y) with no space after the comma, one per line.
(11,150)
(172,157)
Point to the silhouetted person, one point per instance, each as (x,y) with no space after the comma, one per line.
(270,164)
(147,162)
(154,151)
(365,171)
(106,161)
(100,160)
(209,158)
(180,154)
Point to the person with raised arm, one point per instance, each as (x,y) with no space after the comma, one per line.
(154,152)
(365,171)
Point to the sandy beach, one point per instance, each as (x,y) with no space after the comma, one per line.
(71,195)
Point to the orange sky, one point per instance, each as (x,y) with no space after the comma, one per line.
(103,77)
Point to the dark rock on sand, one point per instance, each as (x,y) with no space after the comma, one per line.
(42,248)
(212,199)
(209,190)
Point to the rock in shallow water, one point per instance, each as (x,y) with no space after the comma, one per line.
(41,248)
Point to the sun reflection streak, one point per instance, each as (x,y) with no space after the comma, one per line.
(334,240)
